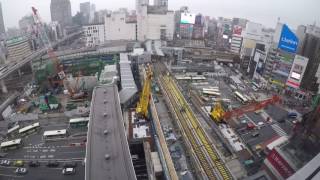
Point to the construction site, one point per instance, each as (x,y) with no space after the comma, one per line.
(139,111)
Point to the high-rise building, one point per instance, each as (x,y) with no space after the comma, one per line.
(2,29)
(61,12)
(311,50)
(154,22)
(163,3)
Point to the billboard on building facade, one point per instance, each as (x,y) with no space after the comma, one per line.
(282,65)
(237,30)
(187,18)
(288,40)
(297,71)
(280,164)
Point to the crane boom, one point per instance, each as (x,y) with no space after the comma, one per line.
(142,106)
(45,39)
(218,113)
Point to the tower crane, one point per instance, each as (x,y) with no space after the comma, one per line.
(219,115)
(142,106)
(59,74)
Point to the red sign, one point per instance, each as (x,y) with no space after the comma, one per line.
(237,30)
(280,164)
(293,84)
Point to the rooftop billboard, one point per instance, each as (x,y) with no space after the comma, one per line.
(297,71)
(288,40)
(187,18)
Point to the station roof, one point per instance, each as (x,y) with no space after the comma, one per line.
(107,155)
(129,88)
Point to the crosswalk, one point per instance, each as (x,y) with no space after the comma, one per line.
(278,130)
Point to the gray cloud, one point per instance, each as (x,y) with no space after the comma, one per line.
(292,12)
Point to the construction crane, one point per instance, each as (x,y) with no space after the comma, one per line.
(142,106)
(59,74)
(219,115)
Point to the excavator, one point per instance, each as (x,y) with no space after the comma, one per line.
(142,106)
(219,115)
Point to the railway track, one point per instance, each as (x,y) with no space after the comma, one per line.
(208,158)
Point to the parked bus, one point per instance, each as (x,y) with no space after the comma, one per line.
(240,97)
(29,129)
(79,122)
(53,134)
(210,89)
(13,130)
(211,93)
(13,144)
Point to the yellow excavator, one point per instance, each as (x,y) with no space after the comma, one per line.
(142,106)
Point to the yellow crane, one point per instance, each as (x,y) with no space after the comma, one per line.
(142,106)
(217,112)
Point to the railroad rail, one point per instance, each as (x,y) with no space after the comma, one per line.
(201,146)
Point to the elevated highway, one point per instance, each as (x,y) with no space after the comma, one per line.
(11,67)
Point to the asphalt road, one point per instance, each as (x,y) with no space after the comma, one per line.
(41,173)
(34,148)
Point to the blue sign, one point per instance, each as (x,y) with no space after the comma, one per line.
(288,40)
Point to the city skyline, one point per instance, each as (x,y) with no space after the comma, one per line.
(260,12)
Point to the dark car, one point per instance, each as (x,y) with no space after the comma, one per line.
(34,163)
(70,164)
(53,164)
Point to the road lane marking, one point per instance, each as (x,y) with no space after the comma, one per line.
(11,176)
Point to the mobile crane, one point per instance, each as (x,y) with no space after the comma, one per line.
(142,106)
(219,115)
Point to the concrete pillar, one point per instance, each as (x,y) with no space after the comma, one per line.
(19,72)
(3,86)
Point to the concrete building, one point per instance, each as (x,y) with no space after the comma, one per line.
(26,23)
(55,31)
(163,3)
(85,10)
(120,26)
(61,12)
(18,48)
(254,36)
(99,16)
(198,28)
(2,28)
(236,42)
(310,49)
(154,22)
(94,34)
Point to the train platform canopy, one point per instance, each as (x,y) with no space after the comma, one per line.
(129,88)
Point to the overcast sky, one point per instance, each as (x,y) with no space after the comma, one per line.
(292,12)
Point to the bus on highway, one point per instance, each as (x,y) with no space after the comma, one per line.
(13,130)
(13,144)
(79,122)
(29,129)
(240,97)
(55,134)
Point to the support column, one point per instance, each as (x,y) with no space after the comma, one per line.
(19,72)
(3,86)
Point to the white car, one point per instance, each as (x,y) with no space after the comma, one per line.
(260,123)
(68,171)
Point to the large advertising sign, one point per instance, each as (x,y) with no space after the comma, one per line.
(282,65)
(297,71)
(280,164)
(237,30)
(187,18)
(288,40)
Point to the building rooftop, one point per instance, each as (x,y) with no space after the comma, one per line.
(16,40)
(107,155)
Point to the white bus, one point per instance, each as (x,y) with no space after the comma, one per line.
(29,129)
(13,144)
(53,134)
(211,93)
(240,97)
(79,122)
(13,130)
(210,89)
